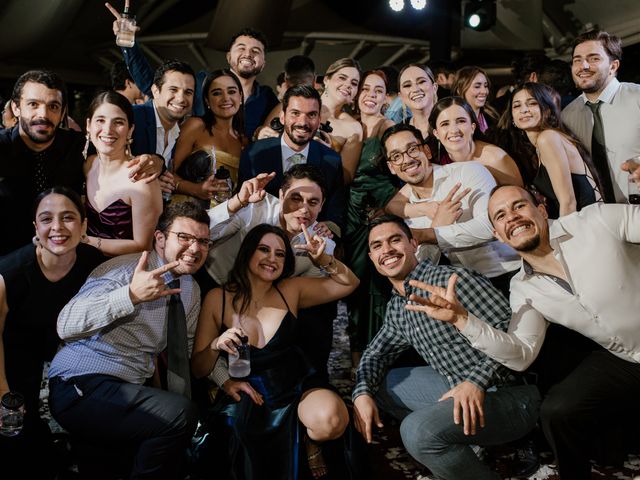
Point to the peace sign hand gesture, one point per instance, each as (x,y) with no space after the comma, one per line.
(450,209)
(441,304)
(315,248)
(148,286)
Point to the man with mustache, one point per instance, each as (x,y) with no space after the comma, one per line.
(580,271)
(127,312)
(37,154)
(606,117)
(301,118)
(447,207)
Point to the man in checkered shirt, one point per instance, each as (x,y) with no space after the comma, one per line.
(461,397)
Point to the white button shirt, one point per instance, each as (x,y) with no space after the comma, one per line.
(161,149)
(620,112)
(468,242)
(599,250)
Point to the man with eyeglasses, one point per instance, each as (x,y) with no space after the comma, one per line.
(115,329)
(446,207)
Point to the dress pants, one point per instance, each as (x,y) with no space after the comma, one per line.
(105,409)
(427,429)
(598,400)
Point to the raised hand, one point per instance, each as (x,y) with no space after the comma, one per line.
(118,17)
(467,400)
(148,286)
(450,208)
(323,230)
(252,190)
(145,167)
(314,247)
(441,304)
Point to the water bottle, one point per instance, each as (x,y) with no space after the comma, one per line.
(240,363)
(225,194)
(11,414)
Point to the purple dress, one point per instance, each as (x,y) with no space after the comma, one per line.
(115,221)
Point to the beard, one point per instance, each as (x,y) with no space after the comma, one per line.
(247,73)
(291,133)
(34,135)
(528,245)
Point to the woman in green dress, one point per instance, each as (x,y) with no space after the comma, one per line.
(369,192)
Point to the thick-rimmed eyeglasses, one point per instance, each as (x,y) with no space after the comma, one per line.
(396,158)
(188,239)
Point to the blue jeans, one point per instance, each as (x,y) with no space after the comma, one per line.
(431,437)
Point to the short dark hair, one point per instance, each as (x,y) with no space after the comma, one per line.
(299,69)
(60,190)
(238,281)
(611,43)
(172,66)
(114,98)
(304,170)
(304,91)
(186,209)
(280,78)
(392,74)
(44,77)
(531,62)
(399,127)
(119,76)
(389,218)
(250,32)
(528,194)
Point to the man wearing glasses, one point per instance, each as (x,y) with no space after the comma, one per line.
(446,207)
(115,328)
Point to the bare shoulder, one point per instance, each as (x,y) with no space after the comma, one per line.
(192,125)
(550,137)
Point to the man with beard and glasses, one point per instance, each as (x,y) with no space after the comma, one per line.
(447,207)
(606,117)
(301,118)
(246,58)
(36,154)
(580,271)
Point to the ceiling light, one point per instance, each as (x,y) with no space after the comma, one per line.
(396,5)
(418,4)
(480,15)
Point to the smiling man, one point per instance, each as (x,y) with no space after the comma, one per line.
(461,397)
(301,119)
(446,207)
(606,117)
(580,271)
(127,312)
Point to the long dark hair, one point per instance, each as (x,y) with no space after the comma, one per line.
(209,119)
(114,98)
(447,102)
(517,144)
(65,192)
(238,280)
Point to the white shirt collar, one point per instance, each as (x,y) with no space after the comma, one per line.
(287,151)
(607,94)
(161,149)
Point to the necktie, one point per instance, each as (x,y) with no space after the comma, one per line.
(599,153)
(295,159)
(178,373)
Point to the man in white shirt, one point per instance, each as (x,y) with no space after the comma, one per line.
(580,271)
(447,207)
(616,105)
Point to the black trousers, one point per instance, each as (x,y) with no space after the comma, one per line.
(596,403)
(104,409)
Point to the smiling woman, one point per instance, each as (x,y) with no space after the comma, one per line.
(121,214)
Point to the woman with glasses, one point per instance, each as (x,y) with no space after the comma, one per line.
(121,214)
(281,395)
(219,133)
(36,282)
(555,162)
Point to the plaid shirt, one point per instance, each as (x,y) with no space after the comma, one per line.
(439,343)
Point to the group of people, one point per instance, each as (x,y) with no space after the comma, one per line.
(459,231)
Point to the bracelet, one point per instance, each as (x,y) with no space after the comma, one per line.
(242,205)
(99,244)
(175,189)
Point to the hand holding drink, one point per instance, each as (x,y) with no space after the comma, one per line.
(633,167)
(124,26)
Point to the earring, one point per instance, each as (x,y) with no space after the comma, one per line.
(35,240)
(86,146)
(127,149)
(83,238)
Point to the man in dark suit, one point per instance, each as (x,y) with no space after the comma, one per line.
(301,118)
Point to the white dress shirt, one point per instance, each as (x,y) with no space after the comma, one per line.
(228,231)
(599,251)
(161,149)
(620,112)
(468,242)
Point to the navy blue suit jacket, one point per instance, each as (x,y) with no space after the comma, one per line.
(144,135)
(265,156)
